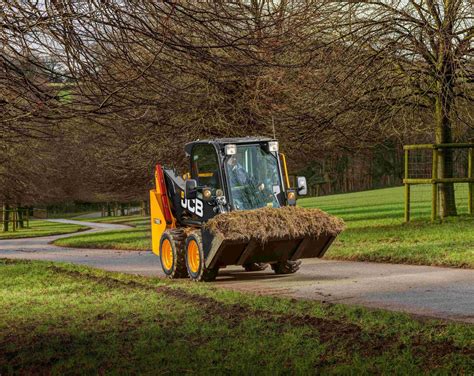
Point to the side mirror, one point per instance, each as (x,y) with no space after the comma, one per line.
(302,186)
(191,191)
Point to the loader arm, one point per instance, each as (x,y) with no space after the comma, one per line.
(165,209)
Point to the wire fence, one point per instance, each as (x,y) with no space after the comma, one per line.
(421,200)
(438,180)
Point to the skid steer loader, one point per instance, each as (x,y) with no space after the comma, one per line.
(226,175)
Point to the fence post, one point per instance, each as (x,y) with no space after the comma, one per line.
(407,190)
(470,174)
(21,223)
(434,176)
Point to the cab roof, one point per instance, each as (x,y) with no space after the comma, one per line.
(221,142)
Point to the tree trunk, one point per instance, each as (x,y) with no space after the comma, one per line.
(146,209)
(21,222)
(443,135)
(109,210)
(6,216)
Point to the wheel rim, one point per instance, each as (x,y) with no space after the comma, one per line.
(193,256)
(167,254)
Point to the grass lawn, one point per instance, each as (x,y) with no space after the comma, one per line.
(136,238)
(67,215)
(41,228)
(375,231)
(58,318)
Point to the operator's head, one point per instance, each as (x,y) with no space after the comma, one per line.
(232,161)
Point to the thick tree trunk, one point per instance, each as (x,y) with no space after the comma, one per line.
(445,77)
(443,134)
(6,217)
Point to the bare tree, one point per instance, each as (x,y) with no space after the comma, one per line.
(425,49)
(137,79)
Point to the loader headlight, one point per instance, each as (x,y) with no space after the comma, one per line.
(291,196)
(206,194)
(230,149)
(273,146)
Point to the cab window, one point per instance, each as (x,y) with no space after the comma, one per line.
(205,166)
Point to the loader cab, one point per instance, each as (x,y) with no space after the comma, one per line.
(253,177)
(246,172)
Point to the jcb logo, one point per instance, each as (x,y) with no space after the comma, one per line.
(195,206)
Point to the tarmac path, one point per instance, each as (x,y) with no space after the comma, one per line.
(446,293)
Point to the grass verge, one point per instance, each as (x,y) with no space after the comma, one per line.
(136,238)
(52,215)
(376,232)
(60,318)
(42,228)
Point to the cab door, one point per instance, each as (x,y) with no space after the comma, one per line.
(205,170)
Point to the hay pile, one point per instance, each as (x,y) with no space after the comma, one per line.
(268,223)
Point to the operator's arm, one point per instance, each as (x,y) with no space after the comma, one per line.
(241,176)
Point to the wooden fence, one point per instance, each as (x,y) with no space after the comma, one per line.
(17,217)
(434,178)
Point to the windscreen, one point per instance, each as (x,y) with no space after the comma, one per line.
(254,178)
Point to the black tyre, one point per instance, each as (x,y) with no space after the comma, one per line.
(195,262)
(286,267)
(172,253)
(255,266)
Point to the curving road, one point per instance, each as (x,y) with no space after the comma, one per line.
(446,293)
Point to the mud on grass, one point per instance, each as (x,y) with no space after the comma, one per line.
(61,318)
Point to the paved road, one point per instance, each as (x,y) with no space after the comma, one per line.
(423,290)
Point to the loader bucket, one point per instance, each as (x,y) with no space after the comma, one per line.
(222,252)
(268,235)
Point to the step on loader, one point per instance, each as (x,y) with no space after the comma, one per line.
(234,207)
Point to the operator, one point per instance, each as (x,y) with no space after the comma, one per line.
(239,180)
(238,175)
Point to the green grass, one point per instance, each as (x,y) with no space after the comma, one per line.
(375,231)
(132,220)
(136,238)
(63,319)
(67,215)
(41,228)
